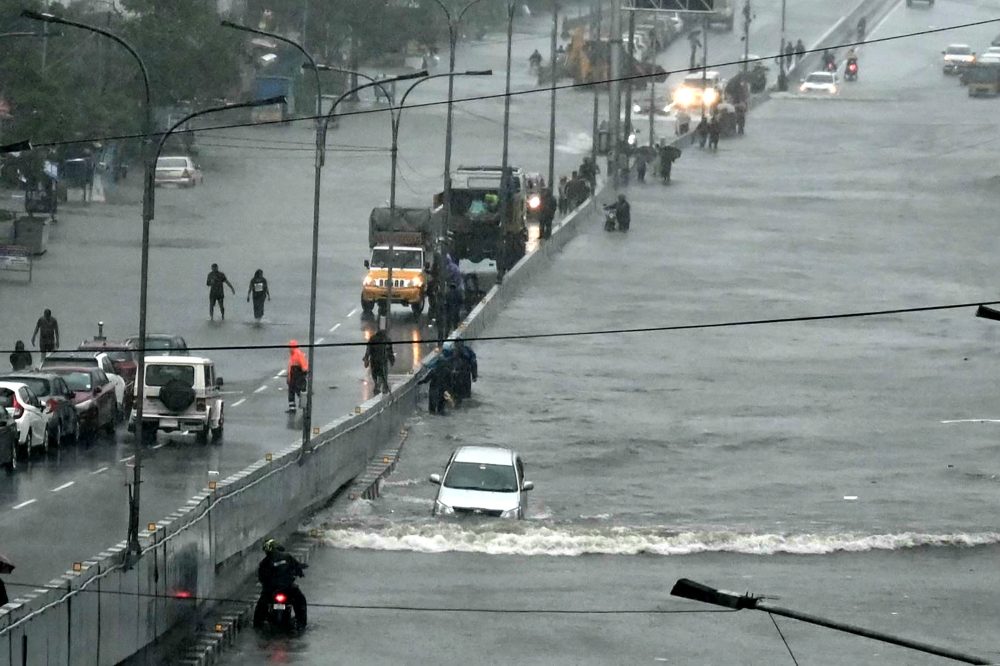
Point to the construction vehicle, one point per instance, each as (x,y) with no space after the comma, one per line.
(589,61)
(477,228)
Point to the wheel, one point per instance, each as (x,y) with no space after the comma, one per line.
(109,427)
(147,434)
(217,431)
(417,307)
(74,435)
(367,306)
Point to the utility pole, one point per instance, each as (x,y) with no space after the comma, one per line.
(595,35)
(747,18)
(615,87)
(505,192)
(552,103)
(704,62)
(305,25)
(782,65)
(628,90)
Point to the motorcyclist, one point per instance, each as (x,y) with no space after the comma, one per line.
(378,357)
(277,573)
(829,61)
(623,212)
(535,59)
(852,54)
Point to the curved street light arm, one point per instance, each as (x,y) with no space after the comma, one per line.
(352,72)
(402,101)
(333,109)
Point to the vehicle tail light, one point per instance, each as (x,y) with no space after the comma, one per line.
(200,404)
(18,409)
(279,598)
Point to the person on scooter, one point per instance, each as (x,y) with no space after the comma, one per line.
(277,573)
(535,60)
(623,212)
(829,61)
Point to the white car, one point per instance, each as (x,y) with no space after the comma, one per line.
(698,89)
(181,394)
(482,481)
(820,82)
(91,359)
(178,170)
(28,413)
(957,57)
(993,50)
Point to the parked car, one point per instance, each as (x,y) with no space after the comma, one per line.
(8,441)
(27,411)
(93,398)
(161,344)
(123,358)
(178,170)
(482,480)
(91,359)
(181,393)
(63,425)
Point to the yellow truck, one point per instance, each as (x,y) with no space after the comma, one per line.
(399,265)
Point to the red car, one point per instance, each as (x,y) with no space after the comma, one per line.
(123,357)
(93,397)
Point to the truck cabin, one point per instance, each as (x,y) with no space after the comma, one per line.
(402,258)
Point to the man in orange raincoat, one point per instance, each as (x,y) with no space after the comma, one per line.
(298,366)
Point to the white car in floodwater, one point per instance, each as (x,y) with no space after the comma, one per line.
(482,481)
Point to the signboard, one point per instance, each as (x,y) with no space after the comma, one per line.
(671,5)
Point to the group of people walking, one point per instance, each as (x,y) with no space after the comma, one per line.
(578,187)
(450,376)
(257,291)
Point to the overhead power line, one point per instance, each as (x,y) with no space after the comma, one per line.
(515,93)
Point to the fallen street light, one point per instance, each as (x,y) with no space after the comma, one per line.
(689,589)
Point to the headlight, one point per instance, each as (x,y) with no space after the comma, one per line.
(636,108)
(443,509)
(631,139)
(535,201)
(833,90)
(802,88)
(418,281)
(368,280)
(710,96)
(684,96)
(510,513)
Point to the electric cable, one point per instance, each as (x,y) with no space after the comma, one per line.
(783,640)
(26,145)
(620,331)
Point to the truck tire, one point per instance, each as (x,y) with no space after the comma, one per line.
(367,306)
(417,307)
(176,395)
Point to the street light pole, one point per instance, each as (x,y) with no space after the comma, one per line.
(747,18)
(552,103)
(317,174)
(595,27)
(132,550)
(782,65)
(453,25)
(504,159)
(688,589)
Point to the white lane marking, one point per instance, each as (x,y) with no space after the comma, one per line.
(261,389)
(238,402)
(320,341)
(886,18)
(352,313)
(24,504)
(126,459)
(99,471)
(335,327)
(161,445)
(282,373)
(63,486)
(973,421)
(826,34)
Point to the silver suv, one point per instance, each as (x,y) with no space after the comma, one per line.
(482,481)
(182,393)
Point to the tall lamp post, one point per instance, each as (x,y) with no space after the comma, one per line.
(453,25)
(148,194)
(552,96)
(504,159)
(318,169)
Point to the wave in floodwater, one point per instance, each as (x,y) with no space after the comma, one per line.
(529,539)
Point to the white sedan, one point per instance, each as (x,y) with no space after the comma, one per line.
(820,82)
(28,413)
(178,171)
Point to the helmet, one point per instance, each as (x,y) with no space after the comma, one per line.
(270,546)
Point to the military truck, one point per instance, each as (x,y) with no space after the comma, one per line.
(477,229)
(403,245)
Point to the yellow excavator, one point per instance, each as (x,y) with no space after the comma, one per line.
(589,61)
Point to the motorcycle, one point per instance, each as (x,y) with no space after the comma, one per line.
(831,66)
(280,612)
(611,222)
(851,71)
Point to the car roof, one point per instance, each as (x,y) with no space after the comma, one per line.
(11,385)
(959,46)
(78,353)
(821,73)
(487,455)
(113,345)
(18,376)
(178,360)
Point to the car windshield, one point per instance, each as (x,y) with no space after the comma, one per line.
(78,381)
(159,375)
(480,476)
(171,163)
(54,359)
(819,78)
(119,355)
(959,50)
(409,259)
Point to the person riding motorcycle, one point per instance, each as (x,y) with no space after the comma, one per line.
(852,54)
(623,212)
(829,61)
(535,60)
(277,573)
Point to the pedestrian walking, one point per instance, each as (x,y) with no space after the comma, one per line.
(640,166)
(714,130)
(702,132)
(259,292)
(789,55)
(465,370)
(741,117)
(439,378)
(588,171)
(20,358)
(215,282)
(668,154)
(547,213)
(298,368)
(800,51)
(378,357)
(683,119)
(563,197)
(47,332)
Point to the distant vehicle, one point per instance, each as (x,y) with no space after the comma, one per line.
(93,359)
(267,87)
(825,82)
(482,481)
(699,89)
(93,398)
(957,57)
(984,78)
(177,170)
(28,413)
(411,234)
(993,50)
(8,441)
(63,425)
(533,193)
(123,359)
(160,344)
(996,41)
(181,393)
(910,3)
